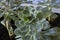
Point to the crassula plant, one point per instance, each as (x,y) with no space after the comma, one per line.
(29,19)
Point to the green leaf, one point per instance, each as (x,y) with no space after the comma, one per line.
(40,15)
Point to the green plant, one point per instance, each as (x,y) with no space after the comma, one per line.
(29,20)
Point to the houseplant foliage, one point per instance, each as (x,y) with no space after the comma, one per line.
(30,20)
